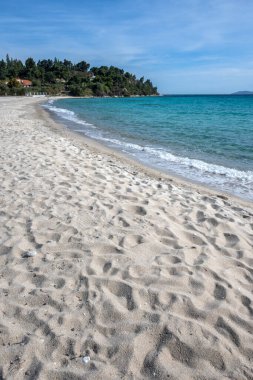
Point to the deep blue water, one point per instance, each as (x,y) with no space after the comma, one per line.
(208,139)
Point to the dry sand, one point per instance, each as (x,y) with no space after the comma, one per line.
(147,278)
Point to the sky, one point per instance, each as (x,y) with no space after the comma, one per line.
(183,46)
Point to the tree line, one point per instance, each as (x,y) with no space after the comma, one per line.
(57,77)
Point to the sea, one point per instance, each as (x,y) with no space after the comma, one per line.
(207,139)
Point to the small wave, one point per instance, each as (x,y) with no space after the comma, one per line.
(203,166)
(124,144)
(66,114)
(200,166)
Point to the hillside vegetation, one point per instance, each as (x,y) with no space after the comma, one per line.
(55,77)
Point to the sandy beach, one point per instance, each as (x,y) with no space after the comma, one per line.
(112,272)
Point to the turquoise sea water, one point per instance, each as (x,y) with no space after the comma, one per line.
(208,139)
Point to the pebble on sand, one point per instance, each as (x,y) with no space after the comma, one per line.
(30,254)
(86,359)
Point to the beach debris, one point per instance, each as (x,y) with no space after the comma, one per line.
(86,359)
(30,254)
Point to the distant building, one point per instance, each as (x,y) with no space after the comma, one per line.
(24,82)
(91,75)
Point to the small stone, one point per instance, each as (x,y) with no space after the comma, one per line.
(30,253)
(86,359)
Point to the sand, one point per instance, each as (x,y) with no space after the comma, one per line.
(110,272)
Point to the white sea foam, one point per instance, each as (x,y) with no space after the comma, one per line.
(202,166)
(66,114)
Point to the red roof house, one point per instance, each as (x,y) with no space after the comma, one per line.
(25,82)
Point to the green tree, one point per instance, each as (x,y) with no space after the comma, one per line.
(13,83)
(75,90)
(3,89)
(14,67)
(3,69)
(30,64)
(82,66)
(50,77)
(46,64)
(36,83)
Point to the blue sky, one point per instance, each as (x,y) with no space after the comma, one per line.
(183,46)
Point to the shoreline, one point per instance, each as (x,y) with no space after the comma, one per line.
(110,270)
(135,163)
